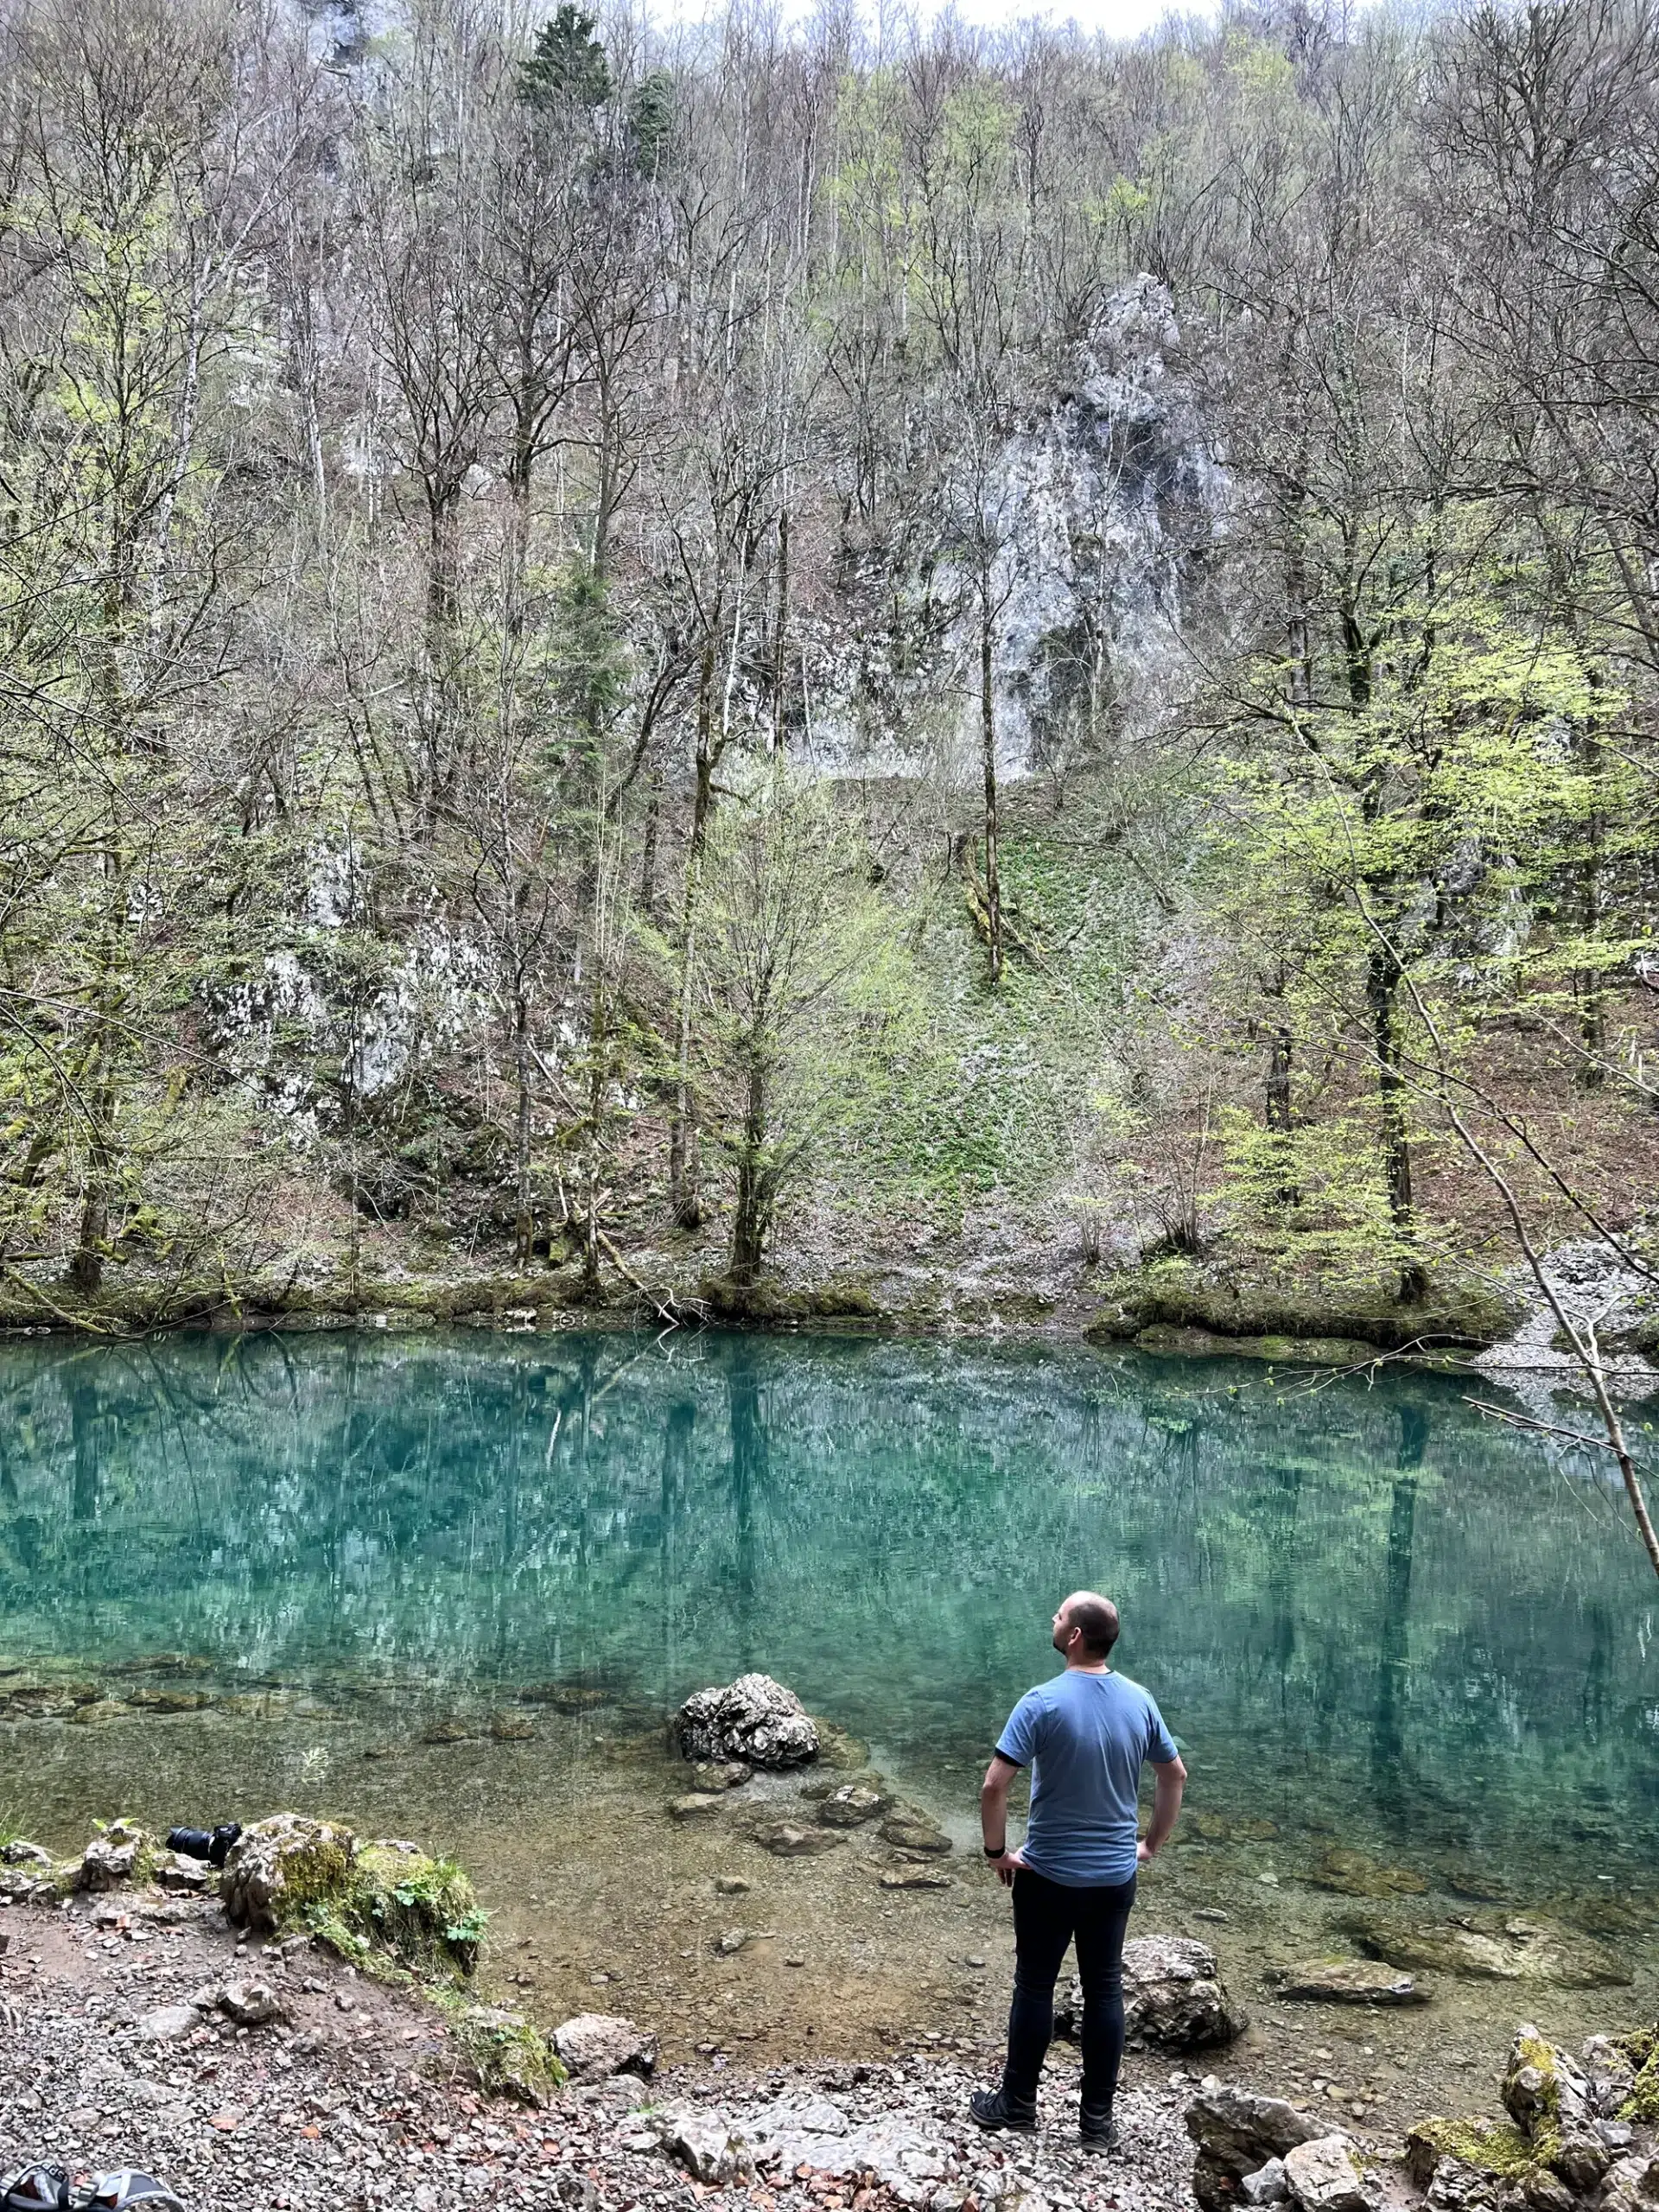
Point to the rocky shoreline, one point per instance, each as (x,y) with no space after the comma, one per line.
(254,2069)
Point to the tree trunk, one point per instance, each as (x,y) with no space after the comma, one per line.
(988,744)
(683,1196)
(1381,985)
(751,1220)
(780,643)
(524,1220)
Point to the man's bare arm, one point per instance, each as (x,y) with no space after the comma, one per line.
(994,1815)
(1169,1780)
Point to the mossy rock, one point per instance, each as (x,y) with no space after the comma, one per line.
(422,1909)
(1493,2147)
(509,2057)
(1174,1294)
(1642,2049)
(388,1900)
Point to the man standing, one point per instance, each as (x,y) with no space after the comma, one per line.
(1085,1735)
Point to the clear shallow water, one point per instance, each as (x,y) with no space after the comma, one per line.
(1373,1622)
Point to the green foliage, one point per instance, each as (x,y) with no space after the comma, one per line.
(416,1912)
(1310,1199)
(567,63)
(650,121)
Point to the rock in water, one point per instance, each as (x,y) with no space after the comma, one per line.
(1173,1996)
(595,2045)
(275,1864)
(1238,2130)
(1322,2177)
(851,1806)
(1344,1981)
(753,1720)
(784,1840)
(908,1834)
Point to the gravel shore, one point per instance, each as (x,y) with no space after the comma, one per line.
(355,2097)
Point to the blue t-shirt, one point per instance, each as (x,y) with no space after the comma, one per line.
(1084,1737)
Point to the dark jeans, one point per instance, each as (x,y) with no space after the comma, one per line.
(1047,1918)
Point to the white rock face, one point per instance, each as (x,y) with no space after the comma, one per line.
(1322,2177)
(815,2131)
(753,1718)
(706,2144)
(593,2045)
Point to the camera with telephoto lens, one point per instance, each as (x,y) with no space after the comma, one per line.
(211,1844)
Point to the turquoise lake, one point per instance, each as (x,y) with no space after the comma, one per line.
(240,1572)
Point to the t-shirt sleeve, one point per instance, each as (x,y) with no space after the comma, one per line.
(1160,1744)
(1021,1740)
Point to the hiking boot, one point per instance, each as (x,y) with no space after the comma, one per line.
(1097,2129)
(994,2109)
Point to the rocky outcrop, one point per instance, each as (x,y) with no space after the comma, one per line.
(276,1867)
(1238,2130)
(112,1857)
(753,1720)
(1322,2177)
(1173,1997)
(596,2046)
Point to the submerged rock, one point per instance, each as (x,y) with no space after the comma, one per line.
(851,1806)
(1344,1981)
(784,1840)
(905,1832)
(713,1775)
(1512,1950)
(753,1720)
(593,2046)
(699,1805)
(1352,1874)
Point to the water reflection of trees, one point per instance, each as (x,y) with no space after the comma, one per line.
(1344,1590)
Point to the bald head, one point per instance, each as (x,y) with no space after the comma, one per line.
(1086,1614)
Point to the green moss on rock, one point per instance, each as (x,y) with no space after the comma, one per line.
(1491,2147)
(422,1910)
(509,2057)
